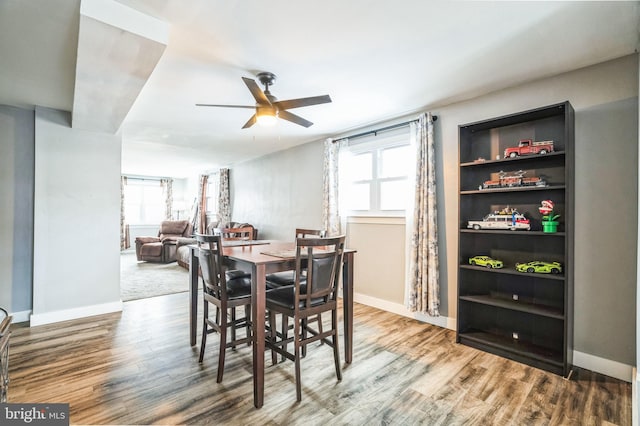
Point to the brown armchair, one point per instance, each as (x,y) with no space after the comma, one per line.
(163,247)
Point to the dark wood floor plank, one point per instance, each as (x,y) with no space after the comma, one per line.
(136,367)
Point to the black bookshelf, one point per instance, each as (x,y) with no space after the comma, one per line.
(527,317)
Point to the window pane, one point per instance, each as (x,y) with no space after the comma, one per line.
(394,161)
(154,213)
(360,167)
(393,195)
(132,213)
(358,196)
(213,185)
(144,202)
(132,194)
(212,205)
(152,193)
(154,205)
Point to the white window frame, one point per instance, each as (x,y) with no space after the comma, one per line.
(213,189)
(376,145)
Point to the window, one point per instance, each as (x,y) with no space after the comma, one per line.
(213,187)
(144,202)
(374,174)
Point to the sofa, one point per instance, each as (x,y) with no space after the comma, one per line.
(163,247)
(182,250)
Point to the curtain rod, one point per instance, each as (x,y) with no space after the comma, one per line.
(141,177)
(375,132)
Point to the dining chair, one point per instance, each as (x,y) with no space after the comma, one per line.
(317,293)
(225,292)
(279,279)
(244,233)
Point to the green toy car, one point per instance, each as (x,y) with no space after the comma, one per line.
(485,261)
(540,267)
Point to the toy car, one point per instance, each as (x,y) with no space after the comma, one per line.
(512,221)
(540,267)
(485,261)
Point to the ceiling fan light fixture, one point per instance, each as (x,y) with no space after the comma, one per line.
(268,108)
(266,116)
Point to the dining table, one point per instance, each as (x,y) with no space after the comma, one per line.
(262,257)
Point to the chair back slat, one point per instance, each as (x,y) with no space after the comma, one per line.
(322,259)
(243,233)
(310,233)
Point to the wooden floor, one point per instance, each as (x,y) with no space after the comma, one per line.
(137,367)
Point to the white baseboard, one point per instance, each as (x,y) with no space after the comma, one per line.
(69,314)
(397,308)
(634,397)
(600,365)
(604,366)
(21,316)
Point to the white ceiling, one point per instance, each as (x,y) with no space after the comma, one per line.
(377,60)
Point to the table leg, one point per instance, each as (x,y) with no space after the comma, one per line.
(194,265)
(258,279)
(347,305)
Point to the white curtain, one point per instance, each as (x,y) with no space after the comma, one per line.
(423,284)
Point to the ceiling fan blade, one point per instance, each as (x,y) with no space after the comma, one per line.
(257,93)
(228,106)
(251,122)
(286,115)
(302,102)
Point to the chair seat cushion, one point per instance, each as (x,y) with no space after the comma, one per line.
(170,238)
(281,278)
(239,287)
(278,279)
(234,273)
(147,240)
(285,297)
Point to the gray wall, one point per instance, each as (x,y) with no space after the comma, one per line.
(605,98)
(16,208)
(280,192)
(76,220)
(606,224)
(636,380)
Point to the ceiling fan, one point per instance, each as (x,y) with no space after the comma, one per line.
(268,107)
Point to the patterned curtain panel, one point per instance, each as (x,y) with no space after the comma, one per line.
(423,292)
(201,223)
(167,190)
(330,185)
(193,215)
(224,197)
(124,234)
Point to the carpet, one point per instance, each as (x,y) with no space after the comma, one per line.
(139,280)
